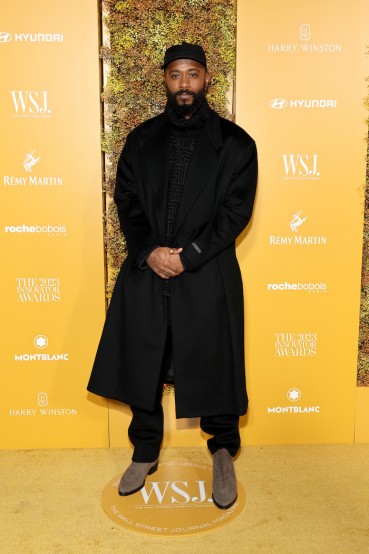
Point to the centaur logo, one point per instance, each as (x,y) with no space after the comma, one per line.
(30,103)
(301,166)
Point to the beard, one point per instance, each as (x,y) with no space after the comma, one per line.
(186,109)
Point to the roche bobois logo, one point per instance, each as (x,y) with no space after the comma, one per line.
(310,287)
(30,103)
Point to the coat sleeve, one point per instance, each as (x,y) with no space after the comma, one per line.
(139,235)
(231,217)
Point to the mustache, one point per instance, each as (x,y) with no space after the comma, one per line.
(184,91)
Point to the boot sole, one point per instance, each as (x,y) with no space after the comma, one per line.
(220,506)
(150,472)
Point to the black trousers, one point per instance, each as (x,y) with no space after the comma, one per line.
(146,428)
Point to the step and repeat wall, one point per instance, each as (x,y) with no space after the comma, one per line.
(300,84)
(52,277)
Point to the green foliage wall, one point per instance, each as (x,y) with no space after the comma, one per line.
(363,359)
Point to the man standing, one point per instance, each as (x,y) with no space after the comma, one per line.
(185,189)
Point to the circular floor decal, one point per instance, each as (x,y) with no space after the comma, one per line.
(175,501)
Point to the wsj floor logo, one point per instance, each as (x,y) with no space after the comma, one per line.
(175,501)
(294,395)
(301,167)
(30,103)
(41,343)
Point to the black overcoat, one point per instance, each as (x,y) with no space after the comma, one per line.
(207,301)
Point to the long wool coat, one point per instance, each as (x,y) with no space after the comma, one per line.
(207,301)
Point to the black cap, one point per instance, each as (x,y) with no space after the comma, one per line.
(185,51)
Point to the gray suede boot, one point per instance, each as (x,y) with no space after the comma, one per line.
(224,480)
(133,479)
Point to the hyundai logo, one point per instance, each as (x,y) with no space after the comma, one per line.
(278,103)
(5,37)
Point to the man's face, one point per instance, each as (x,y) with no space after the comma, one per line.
(186,83)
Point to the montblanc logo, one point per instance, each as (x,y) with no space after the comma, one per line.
(42,401)
(31,37)
(301,166)
(29,161)
(302,103)
(295,239)
(30,103)
(294,395)
(41,343)
(304,35)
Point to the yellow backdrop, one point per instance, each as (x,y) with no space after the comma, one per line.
(52,278)
(300,85)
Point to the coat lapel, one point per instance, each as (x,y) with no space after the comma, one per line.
(154,166)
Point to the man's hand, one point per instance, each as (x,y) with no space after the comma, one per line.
(165,262)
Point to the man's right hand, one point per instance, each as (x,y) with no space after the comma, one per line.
(165,262)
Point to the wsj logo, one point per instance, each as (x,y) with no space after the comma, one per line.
(301,166)
(175,492)
(30,103)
